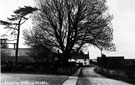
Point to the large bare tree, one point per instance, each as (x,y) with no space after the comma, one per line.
(70,24)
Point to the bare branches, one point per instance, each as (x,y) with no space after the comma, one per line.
(74,23)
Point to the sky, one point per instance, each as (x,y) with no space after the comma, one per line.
(123,23)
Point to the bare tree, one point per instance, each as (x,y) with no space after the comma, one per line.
(40,48)
(35,38)
(71,24)
(16,21)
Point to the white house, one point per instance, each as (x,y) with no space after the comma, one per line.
(81,59)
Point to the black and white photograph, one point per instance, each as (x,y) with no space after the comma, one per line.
(67,42)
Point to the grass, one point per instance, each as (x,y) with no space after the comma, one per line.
(50,79)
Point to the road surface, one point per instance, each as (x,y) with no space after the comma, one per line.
(89,77)
(31,79)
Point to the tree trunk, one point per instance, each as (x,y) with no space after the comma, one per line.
(65,59)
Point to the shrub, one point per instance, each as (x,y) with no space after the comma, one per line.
(29,68)
(6,68)
(20,68)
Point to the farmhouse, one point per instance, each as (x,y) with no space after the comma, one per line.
(81,59)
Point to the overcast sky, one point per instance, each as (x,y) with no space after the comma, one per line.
(123,24)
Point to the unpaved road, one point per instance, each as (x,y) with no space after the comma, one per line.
(89,77)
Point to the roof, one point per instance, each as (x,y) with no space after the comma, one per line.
(21,51)
(22,54)
(112,58)
(80,56)
(115,57)
(130,59)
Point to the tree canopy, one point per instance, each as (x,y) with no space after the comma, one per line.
(71,24)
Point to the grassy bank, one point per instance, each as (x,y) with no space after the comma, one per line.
(115,74)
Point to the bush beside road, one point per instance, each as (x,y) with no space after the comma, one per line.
(38,68)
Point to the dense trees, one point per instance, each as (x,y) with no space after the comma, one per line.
(68,25)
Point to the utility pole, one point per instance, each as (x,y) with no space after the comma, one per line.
(17,43)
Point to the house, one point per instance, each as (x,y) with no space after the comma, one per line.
(81,59)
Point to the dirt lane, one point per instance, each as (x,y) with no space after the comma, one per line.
(89,77)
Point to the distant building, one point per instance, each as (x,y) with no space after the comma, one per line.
(111,58)
(3,43)
(8,55)
(110,61)
(81,59)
